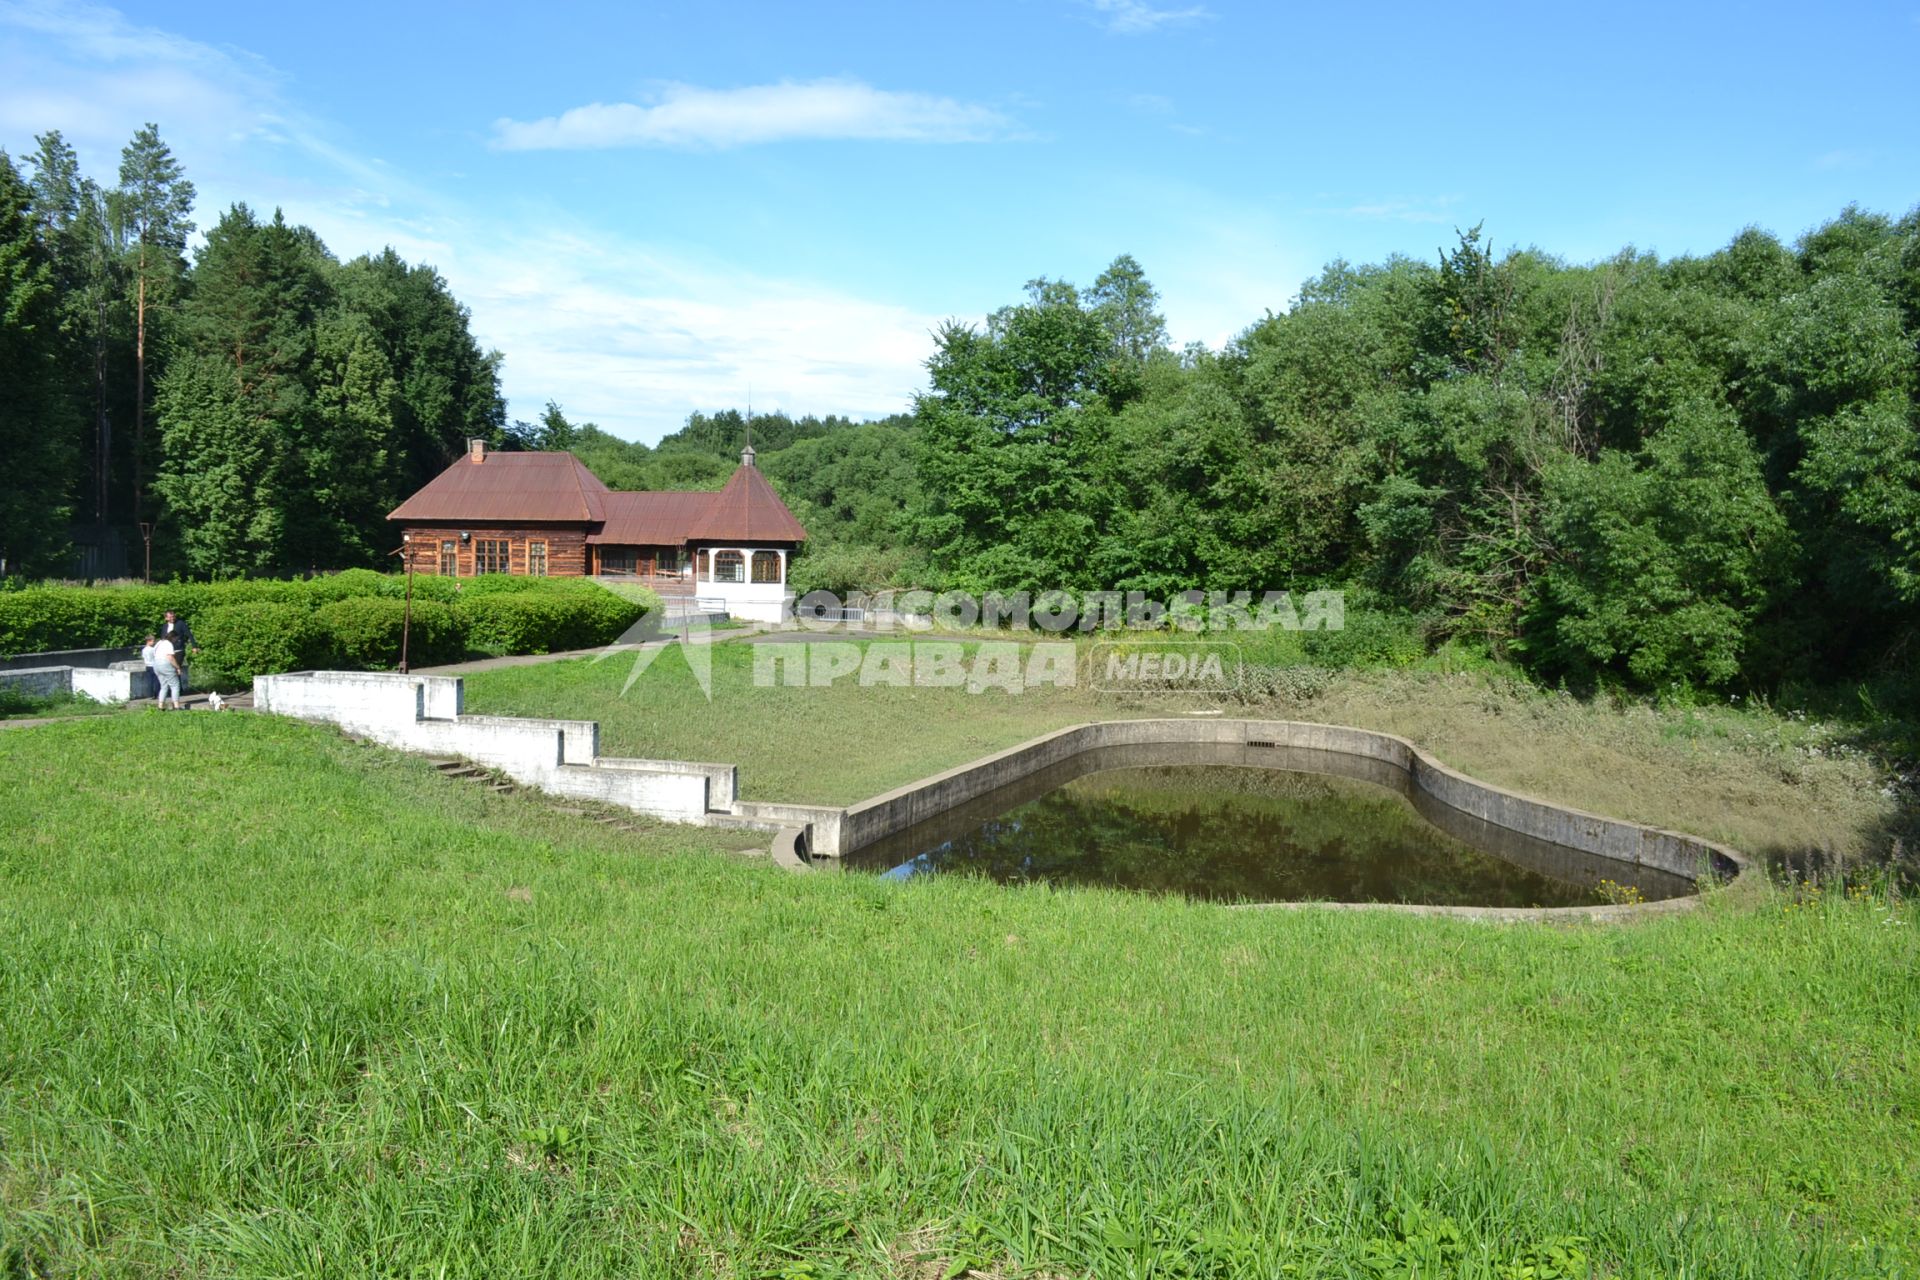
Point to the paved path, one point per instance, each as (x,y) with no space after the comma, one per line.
(533,659)
(188,702)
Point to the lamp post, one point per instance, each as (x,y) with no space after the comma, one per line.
(406,618)
(146,536)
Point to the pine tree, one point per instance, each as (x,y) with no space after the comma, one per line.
(151,210)
(36,426)
(447,388)
(73,216)
(235,408)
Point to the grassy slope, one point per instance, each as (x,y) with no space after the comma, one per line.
(279,1004)
(1762,782)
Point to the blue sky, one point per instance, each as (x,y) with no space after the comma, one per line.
(649,208)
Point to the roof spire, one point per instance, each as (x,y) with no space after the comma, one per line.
(746,454)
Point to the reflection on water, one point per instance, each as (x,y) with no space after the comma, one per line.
(1252,824)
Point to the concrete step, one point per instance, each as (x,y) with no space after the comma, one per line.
(734,822)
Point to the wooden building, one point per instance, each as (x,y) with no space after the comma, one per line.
(545,514)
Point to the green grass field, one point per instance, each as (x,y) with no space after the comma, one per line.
(278,1004)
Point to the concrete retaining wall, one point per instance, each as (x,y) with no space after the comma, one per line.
(121,682)
(70,658)
(1628,842)
(118,683)
(38,682)
(424,714)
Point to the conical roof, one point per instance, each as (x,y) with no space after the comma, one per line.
(747,510)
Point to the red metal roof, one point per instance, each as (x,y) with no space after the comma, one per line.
(530,488)
(659,518)
(747,510)
(509,488)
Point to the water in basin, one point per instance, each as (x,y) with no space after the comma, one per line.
(1252,824)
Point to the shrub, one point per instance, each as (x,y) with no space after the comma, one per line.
(519,615)
(429,586)
(364,633)
(241,641)
(1372,637)
(62,617)
(490,584)
(553,616)
(192,597)
(504,623)
(845,570)
(42,618)
(351,583)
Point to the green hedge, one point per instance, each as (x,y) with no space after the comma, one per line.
(351,583)
(241,641)
(363,633)
(552,616)
(40,618)
(351,620)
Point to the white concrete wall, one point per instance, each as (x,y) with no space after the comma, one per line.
(100,684)
(750,601)
(423,713)
(111,685)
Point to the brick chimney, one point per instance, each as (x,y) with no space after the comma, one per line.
(476,450)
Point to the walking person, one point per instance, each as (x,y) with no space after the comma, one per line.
(176,632)
(166,667)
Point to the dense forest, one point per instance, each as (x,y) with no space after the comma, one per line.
(1698,473)
(1702,472)
(261,408)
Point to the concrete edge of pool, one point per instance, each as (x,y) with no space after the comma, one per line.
(426,714)
(836,832)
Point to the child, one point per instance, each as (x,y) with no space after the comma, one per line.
(153,677)
(166,666)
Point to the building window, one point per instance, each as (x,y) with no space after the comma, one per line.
(729,566)
(490,555)
(701,573)
(617,561)
(536,559)
(449,559)
(766,566)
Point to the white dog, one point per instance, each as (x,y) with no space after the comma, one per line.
(215,702)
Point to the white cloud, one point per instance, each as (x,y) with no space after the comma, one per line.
(635,340)
(105,35)
(97,77)
(615,330)
(1136,17)
(1400,209)
(688,116)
